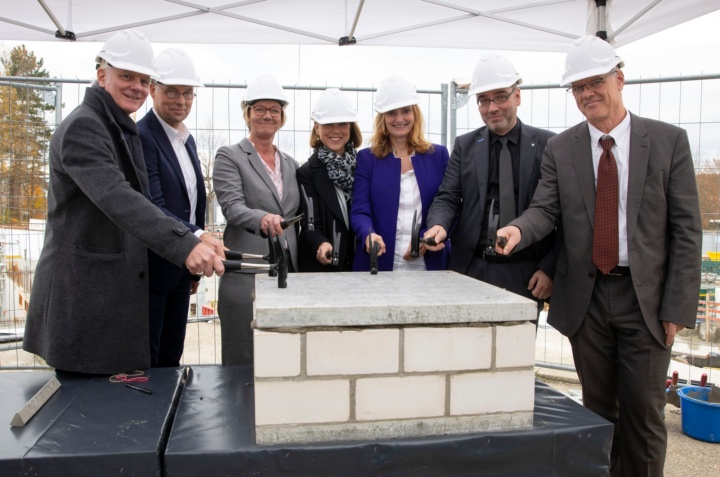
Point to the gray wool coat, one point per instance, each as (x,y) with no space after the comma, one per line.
(88,310)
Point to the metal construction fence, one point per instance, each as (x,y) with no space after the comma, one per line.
(216,120)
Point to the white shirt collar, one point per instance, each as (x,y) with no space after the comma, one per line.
(620,133)
(180,134)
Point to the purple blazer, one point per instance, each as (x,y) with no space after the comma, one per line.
(376,196)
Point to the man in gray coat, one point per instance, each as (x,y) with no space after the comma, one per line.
(89,305)
(628,273)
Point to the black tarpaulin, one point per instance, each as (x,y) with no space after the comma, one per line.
(214,435)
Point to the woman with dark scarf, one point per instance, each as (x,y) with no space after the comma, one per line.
(327,242)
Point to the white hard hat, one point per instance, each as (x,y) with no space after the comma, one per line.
(264,87)
(174,67)
(129,50)
(493,72)
(333,107)
(589,56)
(395,92)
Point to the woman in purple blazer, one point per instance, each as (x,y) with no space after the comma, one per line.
(397,176)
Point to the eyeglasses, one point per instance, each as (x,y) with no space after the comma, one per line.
(498,99)
(590,85)
(261,110)
(188,95)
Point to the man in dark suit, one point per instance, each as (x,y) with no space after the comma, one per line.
(474,180)
(628,272)
(178,189)
(89,306)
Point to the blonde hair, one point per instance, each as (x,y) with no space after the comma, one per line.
(355,136)
(380,140)
(248,107)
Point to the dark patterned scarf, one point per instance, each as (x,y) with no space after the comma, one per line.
(341,169)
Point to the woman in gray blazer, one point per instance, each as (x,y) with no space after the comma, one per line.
(257,189)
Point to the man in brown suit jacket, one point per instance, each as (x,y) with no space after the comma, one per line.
(621,314)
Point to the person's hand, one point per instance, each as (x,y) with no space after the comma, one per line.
(214,244)
(194,286)
(439,234)
(421,252)
(203,261)
(270,225)
(540,285)
(510,233)
(322,252)
(378,240)
(671,329)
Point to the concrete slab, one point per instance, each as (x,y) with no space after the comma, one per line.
(388,298)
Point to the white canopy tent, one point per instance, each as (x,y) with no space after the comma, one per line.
(531,25)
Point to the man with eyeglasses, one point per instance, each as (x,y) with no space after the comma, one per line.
(628,272)
(493,171)
(88,310)
(177,187)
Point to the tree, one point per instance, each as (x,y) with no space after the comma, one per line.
(708,181)
(24,139)
(208,143)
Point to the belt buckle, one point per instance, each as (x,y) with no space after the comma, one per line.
(620,274)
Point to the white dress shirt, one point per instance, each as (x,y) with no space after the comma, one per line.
(409,203)
(178,137)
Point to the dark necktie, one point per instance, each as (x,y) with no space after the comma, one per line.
(605,236)
(507,185)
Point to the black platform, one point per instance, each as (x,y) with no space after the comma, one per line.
(90,427)
(214,435)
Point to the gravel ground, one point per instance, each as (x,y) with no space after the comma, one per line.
(685,456)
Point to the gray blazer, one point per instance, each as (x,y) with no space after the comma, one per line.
(246,194)
(663,221)
(89,306)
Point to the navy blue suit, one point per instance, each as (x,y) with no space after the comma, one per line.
(169,284)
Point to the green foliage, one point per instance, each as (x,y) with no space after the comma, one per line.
(24,139)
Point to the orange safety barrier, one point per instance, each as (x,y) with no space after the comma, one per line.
(709,310)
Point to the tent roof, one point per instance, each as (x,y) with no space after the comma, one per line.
(533,25)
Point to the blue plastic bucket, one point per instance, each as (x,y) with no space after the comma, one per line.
(700,419)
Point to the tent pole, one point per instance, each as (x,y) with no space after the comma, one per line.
(444,107)
(350,39)
(602,19)
(61,33)
(452,93)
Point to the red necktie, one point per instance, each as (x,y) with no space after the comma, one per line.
(605,254)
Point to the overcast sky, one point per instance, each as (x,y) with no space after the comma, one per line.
(689,48)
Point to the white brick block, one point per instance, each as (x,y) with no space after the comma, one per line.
(399,397)
(515,346)
(352,352)
(276,354)
(301,402)
(480,393)
(445,349)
